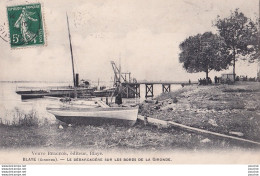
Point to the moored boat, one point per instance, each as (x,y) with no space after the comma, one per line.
(64,92)
(108,92)
(96,116)
(20,92)
(28,94)
(32,95)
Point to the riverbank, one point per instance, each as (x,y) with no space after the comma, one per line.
(227,109)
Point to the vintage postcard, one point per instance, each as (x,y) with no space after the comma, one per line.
(129,82)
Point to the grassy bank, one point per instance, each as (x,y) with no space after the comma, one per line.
(228,109)
(108,138)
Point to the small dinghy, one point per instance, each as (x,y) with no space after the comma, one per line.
(96,116)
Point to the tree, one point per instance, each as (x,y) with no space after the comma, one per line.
(256,53)
(203,53)
(240,35)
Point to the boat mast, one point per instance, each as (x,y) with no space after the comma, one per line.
(120,74)
(71,52)
(120,70)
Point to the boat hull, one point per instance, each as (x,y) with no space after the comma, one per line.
(41,95)
(105,93)
(55,93)
(96,116)
(31,96)
(95,121)
(31,92)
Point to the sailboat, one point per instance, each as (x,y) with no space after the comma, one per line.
(95,115)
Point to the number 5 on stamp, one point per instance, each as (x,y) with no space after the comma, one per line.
(25,25)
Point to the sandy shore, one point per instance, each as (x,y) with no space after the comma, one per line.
(227,109)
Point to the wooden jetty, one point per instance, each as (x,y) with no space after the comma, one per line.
(131,88)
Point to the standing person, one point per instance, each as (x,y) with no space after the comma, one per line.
(216,79)
(118,99)
(199,81)
(209,80)
(204,81)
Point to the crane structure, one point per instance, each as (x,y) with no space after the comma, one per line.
(118,75)
(123,81)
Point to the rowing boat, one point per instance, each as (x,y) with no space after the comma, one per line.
(96,116)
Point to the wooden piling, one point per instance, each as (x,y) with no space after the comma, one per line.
(166,88)
(130,90)
(148,90)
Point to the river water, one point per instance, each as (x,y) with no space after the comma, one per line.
(10,102)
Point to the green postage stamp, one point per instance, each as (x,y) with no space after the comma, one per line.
(25,25)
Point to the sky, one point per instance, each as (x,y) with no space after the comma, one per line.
(144,35)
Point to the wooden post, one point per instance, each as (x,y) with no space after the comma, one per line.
(137,90)
(163,87)
(127,91)
(166,88)
(148,89)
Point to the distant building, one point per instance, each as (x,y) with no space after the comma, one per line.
(227,78)
(84,83)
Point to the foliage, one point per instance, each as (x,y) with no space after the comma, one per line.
(256,54)
(20,119)
(240,35)
(203,53)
